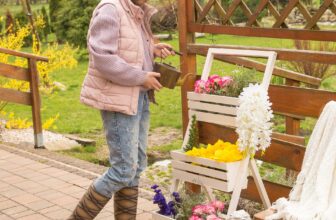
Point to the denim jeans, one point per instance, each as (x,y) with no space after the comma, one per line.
(126,137)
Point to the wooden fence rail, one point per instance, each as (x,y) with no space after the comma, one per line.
(31,98)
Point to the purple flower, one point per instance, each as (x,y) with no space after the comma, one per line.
(154,186)
(172,208)
(177,197)
(159,199)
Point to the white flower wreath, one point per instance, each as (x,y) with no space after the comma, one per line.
(254,114)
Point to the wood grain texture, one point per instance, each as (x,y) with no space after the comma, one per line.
(10,95)
(23,54)
(280,33)
(14,72)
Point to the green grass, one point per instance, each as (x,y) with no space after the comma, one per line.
(79,119)
(14,9)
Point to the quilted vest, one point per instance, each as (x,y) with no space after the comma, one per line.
(103,94)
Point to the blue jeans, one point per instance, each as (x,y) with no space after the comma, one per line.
(126,137)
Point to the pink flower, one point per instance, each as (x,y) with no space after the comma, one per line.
(218,205)
(226,80)
(214,78)
(199,86)
(195,217)
(198,210)
(208,86)
(213,217)
(208,209)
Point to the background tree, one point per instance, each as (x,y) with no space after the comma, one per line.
(73,19)
(46,29)
(9,26)
(54,6)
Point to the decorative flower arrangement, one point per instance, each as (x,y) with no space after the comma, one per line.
(187,206)
(210,211)
(221,151)
(215,85)
(227,85)
(253,119)
(166,208)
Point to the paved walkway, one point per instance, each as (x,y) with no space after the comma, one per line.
(34,190)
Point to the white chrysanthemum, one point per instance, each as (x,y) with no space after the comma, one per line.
(253,120)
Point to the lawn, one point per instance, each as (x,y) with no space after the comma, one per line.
(14,9)
(84,121)
(79,119)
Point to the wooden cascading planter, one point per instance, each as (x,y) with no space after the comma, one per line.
(219,110)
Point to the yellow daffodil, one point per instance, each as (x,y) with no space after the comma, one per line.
(221,151)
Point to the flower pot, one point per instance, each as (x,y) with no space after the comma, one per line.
(157,216)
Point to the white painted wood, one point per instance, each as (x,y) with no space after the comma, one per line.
(210,194)
(210,172)
(240,181)
(207,66)
(229,121)
(226,110)
(233,172)
(157,216)
(181,156)
(242,53)
(201,180)
(175,184)
(271,55)
(234,101)
(186,136)
(269,70)
(259,183)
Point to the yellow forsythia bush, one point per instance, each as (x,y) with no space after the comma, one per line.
(220,151)
(60,57)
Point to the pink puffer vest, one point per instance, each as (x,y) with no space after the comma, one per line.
(102,94)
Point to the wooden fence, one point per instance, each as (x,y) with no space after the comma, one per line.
(31,98)
(290,100)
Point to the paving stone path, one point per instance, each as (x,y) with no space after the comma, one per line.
(33,187)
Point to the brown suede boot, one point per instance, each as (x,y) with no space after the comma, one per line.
(89,206)
(125,203)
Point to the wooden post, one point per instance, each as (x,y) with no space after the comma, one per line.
(188,61)
(186,14)
(292,125)
(36,103)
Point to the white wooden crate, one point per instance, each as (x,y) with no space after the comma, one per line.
(206,172)
(157,216)
(221,110)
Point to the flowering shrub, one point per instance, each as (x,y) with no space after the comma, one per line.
(59,57)
(208,211)
(253,119)
(215,85)
(221,151)
(16,122)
